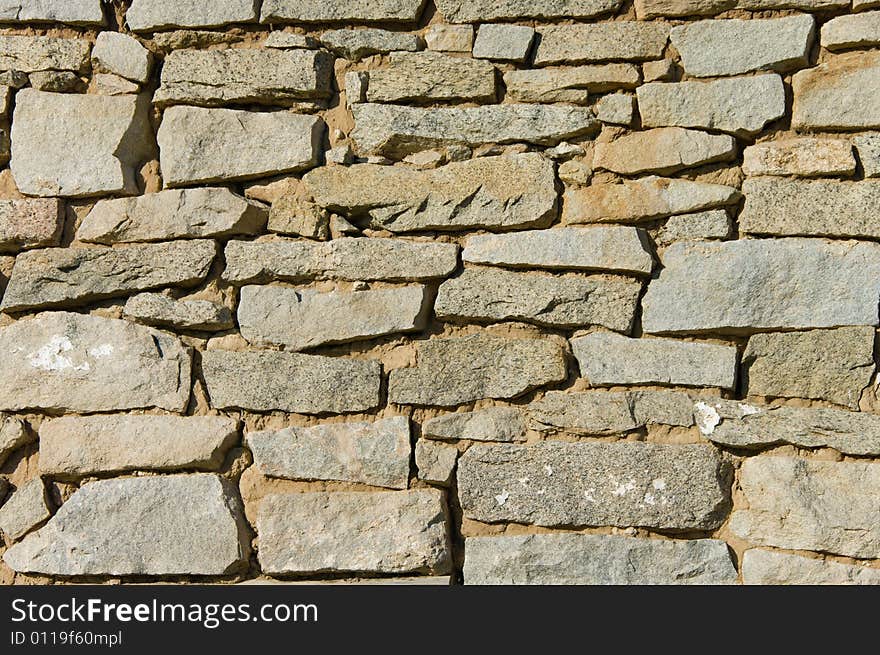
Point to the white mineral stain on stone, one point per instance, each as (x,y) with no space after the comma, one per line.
(649,499)
(502,497)
(659,484)
(50,357)
(624,488)
(707,417)
(548,470)
(104,350)
(748,410)
(589,494)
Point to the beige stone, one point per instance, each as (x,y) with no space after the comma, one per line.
(663,150)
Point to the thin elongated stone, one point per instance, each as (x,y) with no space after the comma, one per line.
(800,157)
(74,12)
(431,76)
(810,505)
(492,424)
(569,84)
(162,311)
(553,483)
(845,32)
(379,532)
(191,528)
(357,44)
(766,567)
(588,559)
(77,363)
(151,15)
(264,381)
(85,445)
(575,44)
(371,453)
(474,11)
(301,319)
(30,223)
(647,9)
(30,54)
(754,285)
(838,94)
(868,147)
(355,11)
(663,150)
(59,277)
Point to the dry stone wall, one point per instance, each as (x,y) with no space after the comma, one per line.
(496,291)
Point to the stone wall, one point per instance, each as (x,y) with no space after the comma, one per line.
(492,291)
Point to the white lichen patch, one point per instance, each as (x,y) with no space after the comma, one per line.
(707,417)
(502,497)
(51,358)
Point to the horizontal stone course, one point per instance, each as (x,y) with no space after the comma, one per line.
(569,84)
(766,567)
(663,150)
(624,40)
(149,15)
(471,11)
(431,76)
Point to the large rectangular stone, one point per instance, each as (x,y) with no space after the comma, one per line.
(844,32)
(495,192)
(264,381)
(30,223)
(74,12)
(151,15)
(29,54)
(431,76)
(377,453)
(458,370)
(395,130)
(212,78)
(330,11)
(740,105)
(353,259)
(571,301)
(569,84)
(86,445)
(62,277)
(754,285)
(802,504)
(363,532)
(800,157)
(838,94)
(663,150)
(592,559)
(76,363)
(646,9)
(301,319)
(199,145)
(555,483)
(576,44)
(475,11)
(491,424)
(767,567)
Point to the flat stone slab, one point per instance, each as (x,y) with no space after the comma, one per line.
(458,370)
(30,223)
(151,15)
(265,381)
(79,446)
(494,192)
(122,55)
(554,483)
(213,78)
(357,44)
(868,147)
(173,214)
(838,94)
(487,294)
(710,224)
(79,363)
(475,11)
(74,12)
(199,145)
(435,461)
(663,150)
(344,259)
(379,532)
(62,277)
(24,510)
(331,11)
(431,76)
(754,285)
(622,40)
(614,248)
(492,424)
(591,559)
(162,311)
(767,567)
(377,453)
(30,54)
(741,106)
(398,131)
(168,525)
(114,130)
(712,48)
(569,84)
(611,359)
(845,32)
(301,319)
(646,9)
(803,504)
(833,365)
(800,157)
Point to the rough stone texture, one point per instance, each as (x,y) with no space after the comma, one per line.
(302,319)
(25,510)
(845,32)
(59,277)
(576,44)
(551,483)
(75,12)
(616,109)
(800,157)
(712,48)
(325,11)
(504,42)
(210,145)
(449,38)
(435,461)
(646,198)
(588,559)
(810,505)
(381,532)
(213,78)
(30,223)
(191,528)
(458,370)
(28,54)
(838,94)
(712,224)
(393,130)
(742,425)
(569,84)
(81,446)
(646,9)
(97,143)
(740,106)
(289,41)
(496,192)
(264,381)
(472,11)
(663,150)
(150,15)
(71,362)
(833,365)
(765,567)
(612,248)
(562,300)
(492,424)
(371,453)
(344,259)
(161,311)
(612,359)
(431,77)
(296,213)
(357,44)
(868,147)
(174,214)
(122,55)
(13,435)
(754,285)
